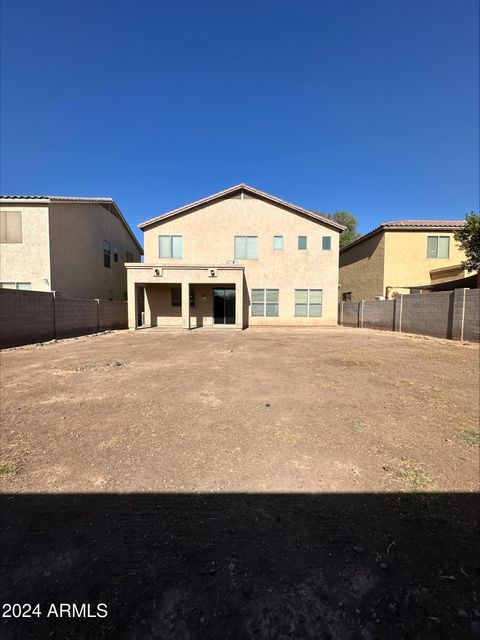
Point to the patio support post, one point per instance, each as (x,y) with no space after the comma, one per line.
(186,305)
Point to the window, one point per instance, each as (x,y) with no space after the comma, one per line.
(170,246)
(129,257)
(438,247)
(326,243)
(347,297)
(23,286)
(10,226)
(106,254)
(246,247)
(278,242)
(302,242)
(115,253)
(177,297)
(265,302)
(308,303)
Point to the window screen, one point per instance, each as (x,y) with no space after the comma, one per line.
(106,254)
(246,247)
(278,242)
(302,242)
(326,243)
(265,302)
(170,246)
(10,226)
(308,303)
(438,247)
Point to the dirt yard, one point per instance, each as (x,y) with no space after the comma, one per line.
(260,484)
(320,411)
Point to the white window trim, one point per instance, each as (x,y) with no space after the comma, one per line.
(308,303)
(265,303)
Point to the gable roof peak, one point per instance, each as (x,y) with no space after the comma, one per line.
(244,187)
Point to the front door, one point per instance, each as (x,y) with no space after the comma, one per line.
(224,306)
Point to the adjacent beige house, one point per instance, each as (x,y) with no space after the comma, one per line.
(399,257)
(239,257)
(78,246)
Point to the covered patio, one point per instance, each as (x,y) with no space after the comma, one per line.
(187,297)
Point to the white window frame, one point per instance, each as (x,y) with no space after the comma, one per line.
(437,247)
(306,243)
(247,252)
(264,304)
(275,238)
(329,239)
(308,304)
(175,247)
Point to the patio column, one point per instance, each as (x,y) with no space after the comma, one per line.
(239,303)
(186,305)
(132,301)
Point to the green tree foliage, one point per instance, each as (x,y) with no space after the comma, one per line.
(468,239)
(347,220)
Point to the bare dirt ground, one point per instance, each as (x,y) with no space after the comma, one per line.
(259,484)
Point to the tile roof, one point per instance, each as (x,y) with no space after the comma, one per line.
(408,224)
(57,198)
(246,189)
(78,200)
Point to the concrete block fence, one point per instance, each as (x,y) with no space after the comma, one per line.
(38,316)
(444,314)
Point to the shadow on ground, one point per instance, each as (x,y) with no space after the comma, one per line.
(334,566)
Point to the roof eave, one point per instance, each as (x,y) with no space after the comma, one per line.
(243,186)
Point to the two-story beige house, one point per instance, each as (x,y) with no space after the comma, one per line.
(78,246)
(400,257)
(236,258)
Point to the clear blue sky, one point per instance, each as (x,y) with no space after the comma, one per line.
(368,106)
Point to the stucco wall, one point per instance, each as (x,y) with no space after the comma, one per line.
(361,269)
(28,261)
(406,263)
(159,311)
(77,232)
(208,238)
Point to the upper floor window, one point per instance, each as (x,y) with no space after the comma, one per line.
(106,254)
(278,242)
(170,246)
(246,247)
(308,303)
(115,253)
(438,247)
(265,302)
(326,243)
(302,242)
(10,226)
(129,256)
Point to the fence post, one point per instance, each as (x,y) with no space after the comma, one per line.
(458,314)
(398,312)
(360,314)
(97,300)
(55,294)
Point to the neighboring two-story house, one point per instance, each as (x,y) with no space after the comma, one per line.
(77,246)
(237,258)
(400,257)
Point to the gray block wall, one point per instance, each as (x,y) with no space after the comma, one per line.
(471,328)
(428,313)
(379,314)
(34,316)
(443,314)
